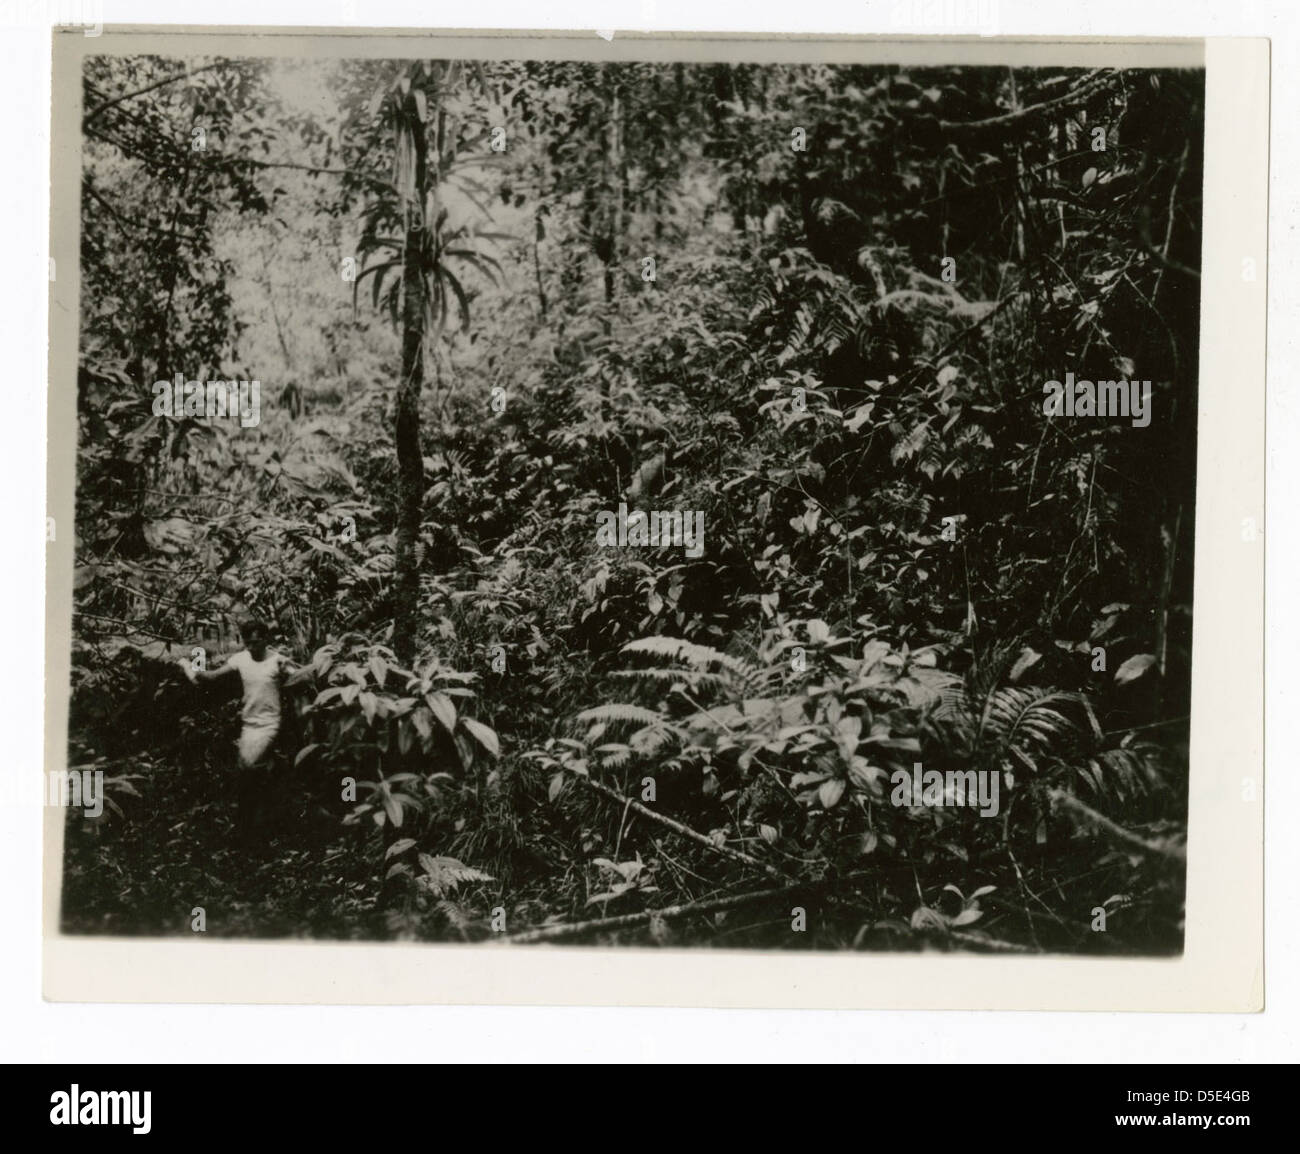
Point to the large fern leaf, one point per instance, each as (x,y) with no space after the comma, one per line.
(1029,724)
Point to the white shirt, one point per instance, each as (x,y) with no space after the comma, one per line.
(261,686)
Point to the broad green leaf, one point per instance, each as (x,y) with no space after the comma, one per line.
(830,792)
(443,709)
(393,808)
(1134,668)
(422,719)
(483,735)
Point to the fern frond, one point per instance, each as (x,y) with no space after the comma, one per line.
(614,755)
(1124,770)
(991,667)
(697,656)
(953,705)
(694,678)
(927,687)
(651,740)
(456,917)
(619,713)
(1026,720)
(443,874)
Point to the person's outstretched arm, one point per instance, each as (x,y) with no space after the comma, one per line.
(199,675)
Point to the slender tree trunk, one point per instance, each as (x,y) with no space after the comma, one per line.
(275,313)
(406,437)
(612,190)
(1169,532)
(538,234)
(406,423)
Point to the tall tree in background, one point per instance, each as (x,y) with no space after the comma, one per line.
(411,175)
(425,146)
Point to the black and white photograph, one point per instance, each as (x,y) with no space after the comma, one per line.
(633,504)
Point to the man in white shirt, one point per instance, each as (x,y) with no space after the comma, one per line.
(261,672)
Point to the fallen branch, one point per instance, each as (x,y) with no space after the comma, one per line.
(1164,848)
(626,921)
(684,830)
(994,945)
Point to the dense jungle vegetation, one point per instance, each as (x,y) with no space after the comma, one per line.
(486,302)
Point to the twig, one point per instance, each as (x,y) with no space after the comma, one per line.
(684,830)
(1086,88)
(920,368)
(186,75)
(90,188)
(1150,725)
(127,626)
(1169,225)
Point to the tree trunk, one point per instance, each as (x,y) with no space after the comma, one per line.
(406,437)
(406,423)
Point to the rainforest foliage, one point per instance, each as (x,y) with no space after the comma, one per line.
(486,303)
